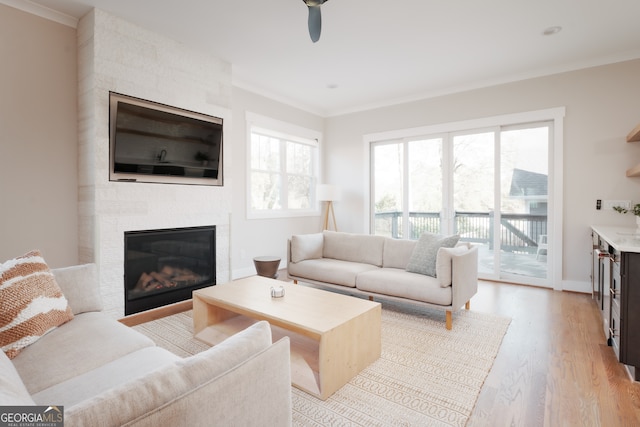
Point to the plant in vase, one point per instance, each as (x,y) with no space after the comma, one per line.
(635,210)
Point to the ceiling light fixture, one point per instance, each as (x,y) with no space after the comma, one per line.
(552,30)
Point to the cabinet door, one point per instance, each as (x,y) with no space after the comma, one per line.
(606,273)
(596,274)
(613,298)
(630,309)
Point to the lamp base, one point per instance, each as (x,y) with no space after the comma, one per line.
(333,216)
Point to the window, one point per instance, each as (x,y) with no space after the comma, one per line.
(282,170)
(497,182)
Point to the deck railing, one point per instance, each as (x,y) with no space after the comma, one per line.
(518,232)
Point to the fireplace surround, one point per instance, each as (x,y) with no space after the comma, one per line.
(164,266)
(144,65)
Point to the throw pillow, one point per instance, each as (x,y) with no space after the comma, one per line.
(80,286)
(31,302)
(306,246)
(423,257)
(443,263)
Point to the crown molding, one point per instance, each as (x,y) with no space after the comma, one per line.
(43,12)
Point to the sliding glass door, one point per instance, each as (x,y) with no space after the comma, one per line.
(489,185)
(472,171)
(407,187)
(524,201)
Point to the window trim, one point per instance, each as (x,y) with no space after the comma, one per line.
(291,132)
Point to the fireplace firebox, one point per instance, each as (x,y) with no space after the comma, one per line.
(164,266)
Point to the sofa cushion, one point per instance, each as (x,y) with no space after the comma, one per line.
(397,252)
(81,286)
(306,246)
(362,248)
(88,341)
(31,302)
(403,284)
(12,389)
(444,259)
(84,386)
(138,398)
(423,257)
(330,270)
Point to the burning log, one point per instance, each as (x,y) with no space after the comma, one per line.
(167,277)
(165,281)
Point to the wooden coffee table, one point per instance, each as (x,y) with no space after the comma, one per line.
(333,336)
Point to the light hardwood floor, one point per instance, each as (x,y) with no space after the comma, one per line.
(554,367)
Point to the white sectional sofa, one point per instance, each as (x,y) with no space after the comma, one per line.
(107,374)
(376,266)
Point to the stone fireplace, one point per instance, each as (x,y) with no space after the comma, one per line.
(115,55)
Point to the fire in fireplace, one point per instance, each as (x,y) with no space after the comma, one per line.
(164,266)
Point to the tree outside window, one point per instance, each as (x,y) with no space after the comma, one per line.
(282,173)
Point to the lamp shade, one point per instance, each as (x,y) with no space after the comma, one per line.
(328,193)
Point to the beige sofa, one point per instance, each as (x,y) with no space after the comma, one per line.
(107,374)
(376,266)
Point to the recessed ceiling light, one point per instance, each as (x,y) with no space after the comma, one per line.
(552,30)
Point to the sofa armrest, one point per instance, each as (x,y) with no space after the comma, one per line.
(81,287)
(464,283)
(305,246)
(254,389)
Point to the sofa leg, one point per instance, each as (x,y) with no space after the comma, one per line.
(370,298)
(467,305)
(295,282)
(449,320)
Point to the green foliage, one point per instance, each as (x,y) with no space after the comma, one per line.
(635,210)
(387,203)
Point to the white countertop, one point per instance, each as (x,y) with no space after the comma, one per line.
(624,239)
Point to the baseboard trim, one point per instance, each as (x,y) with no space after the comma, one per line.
(241,273)
(576,286)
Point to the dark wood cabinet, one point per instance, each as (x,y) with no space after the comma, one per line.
(616,288)
(630,310)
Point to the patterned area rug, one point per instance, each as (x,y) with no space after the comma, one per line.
(426,376)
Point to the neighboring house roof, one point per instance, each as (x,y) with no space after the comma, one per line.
(526,184)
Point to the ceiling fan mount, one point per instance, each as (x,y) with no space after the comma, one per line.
(315,18)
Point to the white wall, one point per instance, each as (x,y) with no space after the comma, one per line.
(602,106)
(38,138)
(256,237)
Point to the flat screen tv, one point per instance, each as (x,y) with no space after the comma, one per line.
(152,142)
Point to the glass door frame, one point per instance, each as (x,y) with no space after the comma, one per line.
(450,197)
(506,276)
(406,196)
(555,184)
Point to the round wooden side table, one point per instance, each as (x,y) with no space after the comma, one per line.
(267,266)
